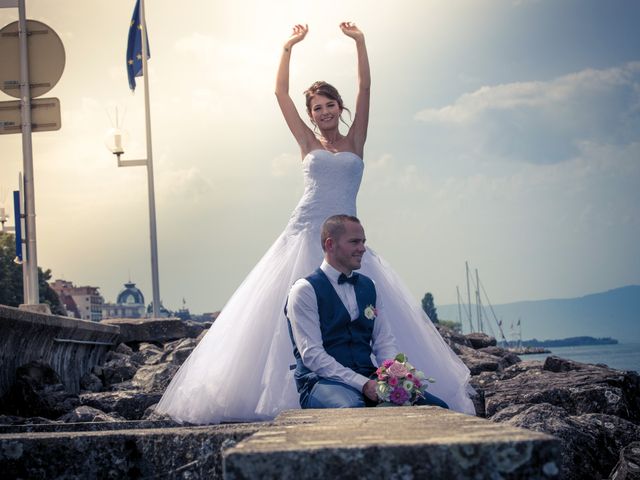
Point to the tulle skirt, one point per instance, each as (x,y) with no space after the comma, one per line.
(240,370)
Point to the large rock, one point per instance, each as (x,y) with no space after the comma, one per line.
(177,352)
(453,338)
(124,349)
(154,378)
(579,390)
(478,361)
(628,467)
(481,340)
(38,392)
(117,370)
(130,404)
(147,354)
(590,443)
(178,356)
(85,413)
(509,358)
(182,343)
(90,382)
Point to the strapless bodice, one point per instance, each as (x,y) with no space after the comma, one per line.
(331,183)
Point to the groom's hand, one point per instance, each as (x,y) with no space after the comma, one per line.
(369,390)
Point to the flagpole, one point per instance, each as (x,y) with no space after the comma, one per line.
(155,281)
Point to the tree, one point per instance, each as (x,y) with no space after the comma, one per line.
(429,307)
(11,291)
(451,325)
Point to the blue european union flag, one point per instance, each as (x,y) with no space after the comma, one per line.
(134,48)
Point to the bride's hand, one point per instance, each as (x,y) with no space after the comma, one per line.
(350,30)
(297,35)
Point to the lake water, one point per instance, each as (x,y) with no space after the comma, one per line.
(621,356)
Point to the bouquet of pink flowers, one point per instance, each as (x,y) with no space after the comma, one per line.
(399,383)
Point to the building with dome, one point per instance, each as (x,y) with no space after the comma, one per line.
(129,303)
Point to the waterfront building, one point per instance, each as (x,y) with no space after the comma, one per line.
(84,302)
(129,303)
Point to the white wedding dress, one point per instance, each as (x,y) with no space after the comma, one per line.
(240,369)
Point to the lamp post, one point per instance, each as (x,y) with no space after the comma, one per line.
(114,141)
(3,218)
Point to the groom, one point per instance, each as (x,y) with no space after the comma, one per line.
(336,321)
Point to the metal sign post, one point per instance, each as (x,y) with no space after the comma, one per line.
(30,67)
(31,289)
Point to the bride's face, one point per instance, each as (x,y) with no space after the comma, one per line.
(324,112)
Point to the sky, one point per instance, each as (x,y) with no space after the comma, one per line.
(503,133)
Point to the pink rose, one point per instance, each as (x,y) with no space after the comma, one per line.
(387,363)
(397,370)
(393,381)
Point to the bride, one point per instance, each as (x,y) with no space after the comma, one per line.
(240,371)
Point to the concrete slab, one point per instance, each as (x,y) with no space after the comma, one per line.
(181,452)
(87,426)
(153,329)
(395,442)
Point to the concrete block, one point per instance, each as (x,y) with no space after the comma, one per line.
(395,442)
(152,329)
(88,426)
(183,452)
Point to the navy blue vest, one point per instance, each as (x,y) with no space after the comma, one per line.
(349,342)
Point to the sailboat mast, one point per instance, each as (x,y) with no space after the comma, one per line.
(479,303)
(459,308)
(466,264)
(519,333)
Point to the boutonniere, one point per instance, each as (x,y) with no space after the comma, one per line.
(370,312)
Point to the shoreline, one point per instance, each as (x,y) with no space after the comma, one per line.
(620,356)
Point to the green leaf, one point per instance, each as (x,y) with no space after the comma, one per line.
(401,357)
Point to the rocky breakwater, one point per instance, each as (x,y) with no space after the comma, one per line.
(594,410)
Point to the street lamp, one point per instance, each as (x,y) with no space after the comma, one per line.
(114,141)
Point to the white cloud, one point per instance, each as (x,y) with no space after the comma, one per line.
(184,184)
(543,121)
(536,94)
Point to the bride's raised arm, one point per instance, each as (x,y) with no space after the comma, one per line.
(358,130)
(302,133)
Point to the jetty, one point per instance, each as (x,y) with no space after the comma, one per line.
(78,402)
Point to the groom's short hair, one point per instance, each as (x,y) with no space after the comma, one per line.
(334,227)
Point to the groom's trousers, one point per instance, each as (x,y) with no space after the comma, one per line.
(332,394)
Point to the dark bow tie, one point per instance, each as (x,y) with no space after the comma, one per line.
(352,279)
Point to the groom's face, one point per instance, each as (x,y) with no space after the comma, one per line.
(345,252)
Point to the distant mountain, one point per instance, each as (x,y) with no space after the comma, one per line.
(569,342)
(615,313)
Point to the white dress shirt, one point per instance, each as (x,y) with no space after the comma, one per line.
(303,313)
